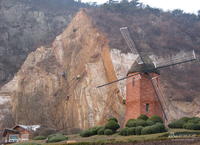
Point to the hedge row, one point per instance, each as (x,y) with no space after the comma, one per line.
(140,130)
(143,125)
(110,128)
(192,123)
(56,138)
(143,121)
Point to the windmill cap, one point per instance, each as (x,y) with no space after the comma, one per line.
(146,67)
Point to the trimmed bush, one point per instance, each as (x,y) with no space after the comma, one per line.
(108,132)
(90,131)
(156,119)
(156,128)
(138,130)
(113,118)
(39,138)
(86,133)
(185,119)
(56,138)
(194,120)
(149,122)
(124,131)
(143,117)
(113,125)
(147,130)
(131,123)
(192,126)
(94,130)
(131,131)
(177,124)
(160,127)
(101,131)
(140,122)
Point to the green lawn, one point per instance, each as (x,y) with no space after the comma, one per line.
(103,139)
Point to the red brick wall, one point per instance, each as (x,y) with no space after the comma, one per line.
(139,92)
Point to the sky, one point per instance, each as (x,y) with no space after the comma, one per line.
(189,6)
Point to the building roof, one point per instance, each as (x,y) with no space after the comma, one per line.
(8,130)
(28,127)
(25,127)
(147,67)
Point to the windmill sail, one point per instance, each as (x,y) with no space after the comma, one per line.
(117,80)
(126,35)
(181,58)
(160,96)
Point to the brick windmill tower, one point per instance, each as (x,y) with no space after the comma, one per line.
(141,97)
(143,94)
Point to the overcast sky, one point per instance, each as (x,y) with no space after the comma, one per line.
(190,6)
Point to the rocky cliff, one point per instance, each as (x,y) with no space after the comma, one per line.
(56,85)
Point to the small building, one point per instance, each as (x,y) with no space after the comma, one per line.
(19,133)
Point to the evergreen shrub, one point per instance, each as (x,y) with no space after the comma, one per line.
(108,132)
(143,117)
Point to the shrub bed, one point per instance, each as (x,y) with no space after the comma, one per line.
(138,130)
(108,132)
(156,119)
(140,122)
(149,122)
(101,131)
(124,131)
(177,124)
(143,125)
(131,123)
(192,123)
(110,128)
(143,117)
(192,126)
(113,125)
(131,131)
(39,138)
(56,138)
(157,128)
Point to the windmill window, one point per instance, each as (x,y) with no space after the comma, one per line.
(147,107)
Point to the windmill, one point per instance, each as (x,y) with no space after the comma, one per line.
(147,72)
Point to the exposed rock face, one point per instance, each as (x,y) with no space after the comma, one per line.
(56,85)
(26,25)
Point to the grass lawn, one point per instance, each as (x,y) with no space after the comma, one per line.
(103,139)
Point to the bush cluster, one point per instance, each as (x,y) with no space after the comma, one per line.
(56,138)
(110,128)
(91,131)
(39,138)
(192,123)
(112,125)
(108,132)
(156,128)
(143,125)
